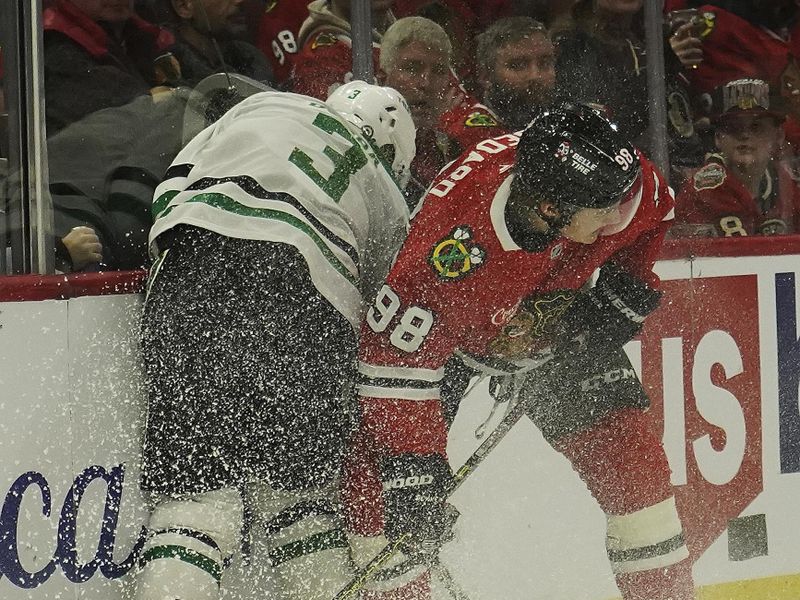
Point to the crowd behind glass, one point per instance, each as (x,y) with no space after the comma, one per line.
(127,83)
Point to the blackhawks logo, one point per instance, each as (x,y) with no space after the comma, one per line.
(456,255)
(322,40)
(479,119)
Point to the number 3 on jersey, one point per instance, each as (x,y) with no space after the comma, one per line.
(414,325)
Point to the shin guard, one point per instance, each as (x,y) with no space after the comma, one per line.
(301,536)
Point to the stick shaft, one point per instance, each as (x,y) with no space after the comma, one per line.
(510,419)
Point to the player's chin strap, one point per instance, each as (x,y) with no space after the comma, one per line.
(515,412)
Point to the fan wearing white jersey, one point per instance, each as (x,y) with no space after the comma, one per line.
(270,227)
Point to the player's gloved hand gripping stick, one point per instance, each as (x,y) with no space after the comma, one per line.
(514,414)
(608,315)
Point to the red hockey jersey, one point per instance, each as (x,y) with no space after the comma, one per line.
(460,278)
(278,35)
(470,122)
(714,202)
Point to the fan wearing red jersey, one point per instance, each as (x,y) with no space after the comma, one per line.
(278,33)
(325,59)
(494,271)
(744,189)
(516,71)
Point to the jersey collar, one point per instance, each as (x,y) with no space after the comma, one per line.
(498,215)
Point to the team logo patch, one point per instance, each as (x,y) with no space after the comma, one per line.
(708,22)
(322,40)
(528,332)
(456,255)
(479,119)
(709,177)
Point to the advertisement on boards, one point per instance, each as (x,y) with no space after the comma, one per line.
(720,360)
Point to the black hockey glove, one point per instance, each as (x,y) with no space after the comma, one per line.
(415,490)
(608,315)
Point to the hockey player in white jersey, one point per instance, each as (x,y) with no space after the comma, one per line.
(270,227)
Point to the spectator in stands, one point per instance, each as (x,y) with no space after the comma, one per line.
(208,34)
(325,58)
(98,54)
(79,249)
(415,60)
(516,72)
(746,39)
(601,59)
(278,30)
(742,189)
(461,24)
(108,184)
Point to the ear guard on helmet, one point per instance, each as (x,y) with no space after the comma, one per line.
(382,115)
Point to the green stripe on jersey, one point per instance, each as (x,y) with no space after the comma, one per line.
(186,555)
(327,540)
(161,203)
(230,205)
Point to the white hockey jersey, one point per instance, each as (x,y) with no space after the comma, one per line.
(286,168)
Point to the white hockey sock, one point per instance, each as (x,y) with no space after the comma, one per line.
(190,541)
(300,534)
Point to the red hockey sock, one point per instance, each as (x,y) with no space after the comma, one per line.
(668,583)
(418,589)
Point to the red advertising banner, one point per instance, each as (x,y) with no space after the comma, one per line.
(706,338)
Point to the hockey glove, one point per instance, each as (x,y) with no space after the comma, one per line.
(415,490)
(608,315)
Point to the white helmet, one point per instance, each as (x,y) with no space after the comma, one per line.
(382,115)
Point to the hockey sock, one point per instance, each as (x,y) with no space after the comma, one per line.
(301,535)
(418,589)
(669,583)
(190,541)
(622,462)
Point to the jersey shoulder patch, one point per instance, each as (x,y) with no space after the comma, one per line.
(480,119)
(326,38)
(456,255)
(709,177)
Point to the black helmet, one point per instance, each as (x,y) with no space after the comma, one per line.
(573,154)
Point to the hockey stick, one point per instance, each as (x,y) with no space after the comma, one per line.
(514,414)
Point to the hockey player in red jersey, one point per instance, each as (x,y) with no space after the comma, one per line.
(494,271)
